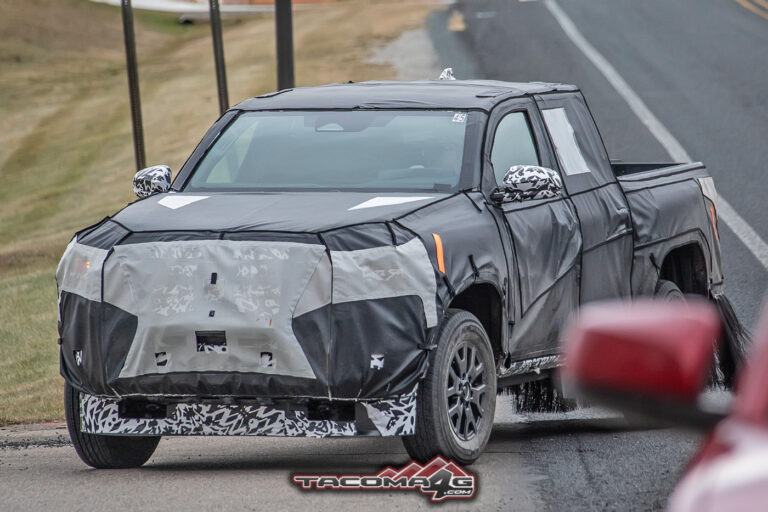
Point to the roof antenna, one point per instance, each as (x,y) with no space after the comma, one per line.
(447,74)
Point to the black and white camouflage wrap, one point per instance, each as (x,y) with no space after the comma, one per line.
(392,417)
(152,180)
(447,74)
(524,182)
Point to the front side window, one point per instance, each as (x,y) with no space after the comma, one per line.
(512,145)
(406,150)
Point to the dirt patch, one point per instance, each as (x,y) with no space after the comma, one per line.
(411,55)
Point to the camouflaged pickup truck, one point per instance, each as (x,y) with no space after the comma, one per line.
(372,259)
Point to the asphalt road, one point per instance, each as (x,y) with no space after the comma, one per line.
(39,470)
(700,65)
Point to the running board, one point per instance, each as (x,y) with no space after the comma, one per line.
(529,369)
(516,380)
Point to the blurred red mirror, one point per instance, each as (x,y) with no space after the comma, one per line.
(644,350)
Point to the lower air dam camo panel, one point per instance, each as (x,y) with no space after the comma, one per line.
(390,417)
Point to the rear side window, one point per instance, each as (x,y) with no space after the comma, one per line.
(563,137)
(513,145)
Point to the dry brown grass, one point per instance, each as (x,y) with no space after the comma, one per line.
(66,157)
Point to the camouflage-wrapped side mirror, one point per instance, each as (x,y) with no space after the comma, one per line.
(152,180)
(525,182)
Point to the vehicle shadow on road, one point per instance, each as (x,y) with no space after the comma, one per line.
(327,456)
(564,427)
(303,463)
(363,456)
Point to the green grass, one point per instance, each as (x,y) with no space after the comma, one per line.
(28,360)
(66,156)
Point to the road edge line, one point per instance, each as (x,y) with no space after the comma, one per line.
(740,227)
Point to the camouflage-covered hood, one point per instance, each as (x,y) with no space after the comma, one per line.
(277,211)
(290,294)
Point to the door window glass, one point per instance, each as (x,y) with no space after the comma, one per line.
(512,145)
(564,140)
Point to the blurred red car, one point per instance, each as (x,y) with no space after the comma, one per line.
(655,359)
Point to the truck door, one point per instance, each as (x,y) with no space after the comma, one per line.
(606,228)
(545,237)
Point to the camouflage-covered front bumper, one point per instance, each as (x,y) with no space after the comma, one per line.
(389,417)
(185,317)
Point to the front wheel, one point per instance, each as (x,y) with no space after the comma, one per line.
(457,398)
(105,452)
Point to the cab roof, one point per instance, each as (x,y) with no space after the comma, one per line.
(426,94)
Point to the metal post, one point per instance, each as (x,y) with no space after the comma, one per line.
(133,84)
(218,56)
(284,33)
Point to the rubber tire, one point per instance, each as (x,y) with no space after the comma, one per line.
(105,452)
(433,433)
(669,291)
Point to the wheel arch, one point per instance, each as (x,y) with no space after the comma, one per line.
(485,301)
(686,266)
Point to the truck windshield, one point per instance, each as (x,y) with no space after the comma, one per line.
(336,150)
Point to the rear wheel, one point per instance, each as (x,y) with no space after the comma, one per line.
(666,291)
(105,452)
(669,291)
(457,398)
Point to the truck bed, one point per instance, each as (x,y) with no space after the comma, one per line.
(641,176)
(621,169)
(668,211)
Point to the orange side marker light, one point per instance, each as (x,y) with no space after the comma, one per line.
(714,221)
(439,248)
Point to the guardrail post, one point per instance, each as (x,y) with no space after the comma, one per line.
(133,84)
(218,56)
(284,34)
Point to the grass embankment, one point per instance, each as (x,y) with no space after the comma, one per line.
(66,156)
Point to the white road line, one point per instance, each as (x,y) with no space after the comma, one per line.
(743,230)
(732,219)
